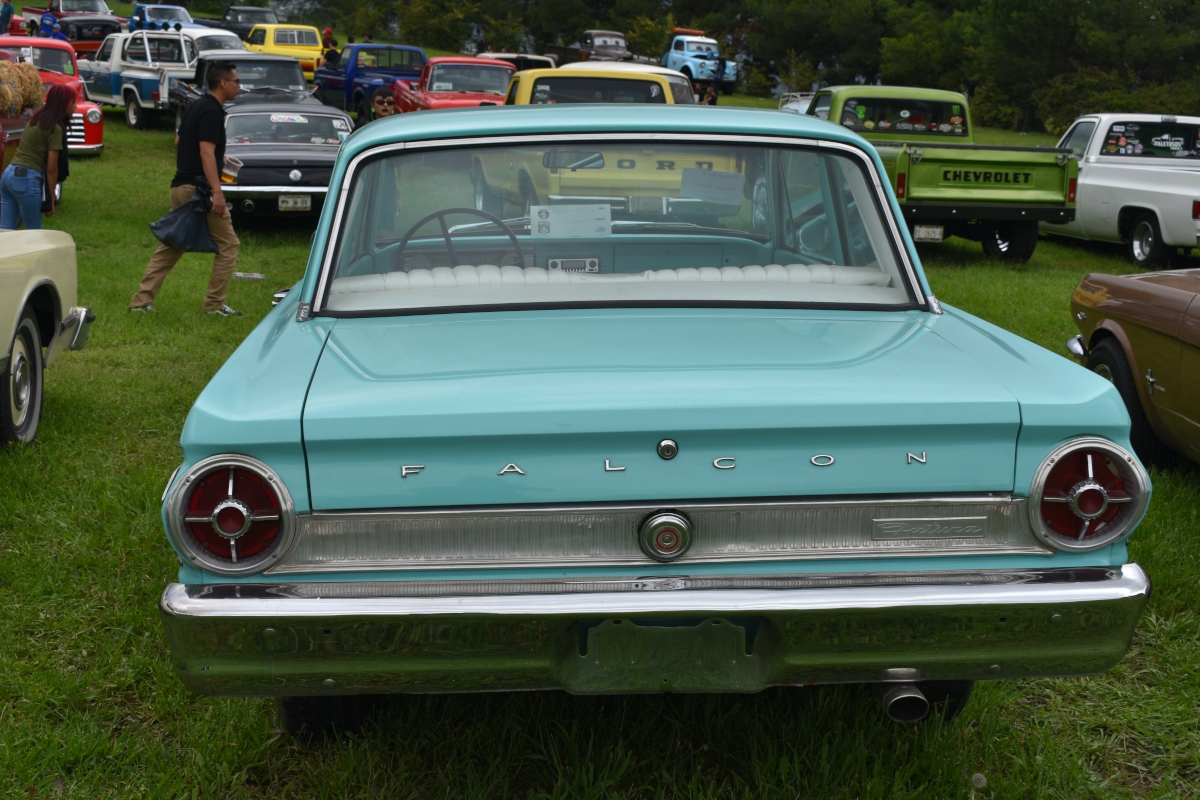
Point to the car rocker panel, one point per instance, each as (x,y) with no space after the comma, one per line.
(436,469)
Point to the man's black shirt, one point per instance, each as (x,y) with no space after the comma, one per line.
(203,121)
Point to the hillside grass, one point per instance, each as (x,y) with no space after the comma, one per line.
(90,706)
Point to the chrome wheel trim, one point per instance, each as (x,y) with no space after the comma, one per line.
(1142,240)
(1104,371)
(20,385)
(131,113)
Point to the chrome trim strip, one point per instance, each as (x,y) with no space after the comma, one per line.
(606,535)
(204,601)
(234,189)
(692,138)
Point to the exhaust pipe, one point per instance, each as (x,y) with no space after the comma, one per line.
(248,206)
(903,702)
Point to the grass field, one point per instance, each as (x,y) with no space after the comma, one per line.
(90,707)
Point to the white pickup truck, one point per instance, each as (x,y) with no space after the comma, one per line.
(136,70)
(1139,183)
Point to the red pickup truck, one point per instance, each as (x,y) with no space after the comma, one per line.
(454,82)
(86,23)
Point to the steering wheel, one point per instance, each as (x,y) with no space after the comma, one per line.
(440,216)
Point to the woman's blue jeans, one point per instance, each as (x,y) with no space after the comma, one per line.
(20,198)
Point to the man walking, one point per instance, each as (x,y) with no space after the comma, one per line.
(6,15)
(200,146)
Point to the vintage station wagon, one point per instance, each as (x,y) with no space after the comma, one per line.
(676,412)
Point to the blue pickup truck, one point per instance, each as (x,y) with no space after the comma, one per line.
(348,82)
(147,17)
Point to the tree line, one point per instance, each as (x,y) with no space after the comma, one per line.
(1025,64)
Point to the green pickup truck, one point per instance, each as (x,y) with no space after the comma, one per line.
(946,184)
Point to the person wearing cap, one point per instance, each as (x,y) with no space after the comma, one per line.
(327,40)
(58,34)
(47,22)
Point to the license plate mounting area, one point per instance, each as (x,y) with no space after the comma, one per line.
(295,202)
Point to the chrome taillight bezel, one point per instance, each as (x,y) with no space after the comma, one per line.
(175,507)
(1132,473)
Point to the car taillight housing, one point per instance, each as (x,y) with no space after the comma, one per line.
(1087,494)
(231,515)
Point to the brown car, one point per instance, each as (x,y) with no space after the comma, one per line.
(1142,332)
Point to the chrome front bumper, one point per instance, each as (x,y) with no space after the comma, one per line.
(700,634)
(73,332)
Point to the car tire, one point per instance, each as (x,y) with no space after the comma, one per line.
(21,384)
(1011,241)
(485,199)
(947,699)
(136,117)
(1145,246)
(311,719)
(1108,360)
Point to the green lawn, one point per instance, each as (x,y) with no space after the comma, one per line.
(90,707)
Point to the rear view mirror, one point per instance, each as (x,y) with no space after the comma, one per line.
(573,159)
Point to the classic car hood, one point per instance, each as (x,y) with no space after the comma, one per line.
(577,401)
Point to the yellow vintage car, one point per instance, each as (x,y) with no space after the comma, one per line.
(38,320)
(302,42)
(539,87)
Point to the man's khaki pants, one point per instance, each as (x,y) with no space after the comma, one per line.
(164,258)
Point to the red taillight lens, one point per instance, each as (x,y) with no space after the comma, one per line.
(901,182)
(1083,494)
(1087,494)
(154,95)
(233,514)
(1072,185)
(1196,209)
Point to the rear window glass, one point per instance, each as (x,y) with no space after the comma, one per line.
(256,76)
(1154,139)
(549,91)
(898,115)
(382,58)
(286,127)
(469,78)
(219,43)
(298,37)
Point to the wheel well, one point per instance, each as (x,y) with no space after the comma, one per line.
(129,92)
(1125,220)
(43,302)
(1098,336)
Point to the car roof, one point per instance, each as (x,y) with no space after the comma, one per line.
(619,66)
(901,92)
(468,60)
(286,26)
(26,41)
(585,119)
(283,108)
(246,55)
(1109,116)
(584,72)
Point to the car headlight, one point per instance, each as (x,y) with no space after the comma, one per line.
(1087,494)
(230,514)
(93,116)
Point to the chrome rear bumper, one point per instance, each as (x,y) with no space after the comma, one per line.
(719,634)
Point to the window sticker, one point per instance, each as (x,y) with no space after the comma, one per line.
(884,125)
(861,111)
(1118,128)
(710,186)
(905,114)
(1168,141)
(288,118)
(442,86)
(340,124)
(570,221)
(869,125)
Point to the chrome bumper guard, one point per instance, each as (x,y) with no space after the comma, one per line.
(73,332)
(694,634)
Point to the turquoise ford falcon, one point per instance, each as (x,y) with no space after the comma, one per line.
(638,399)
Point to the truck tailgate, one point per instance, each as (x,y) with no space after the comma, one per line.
(985,174)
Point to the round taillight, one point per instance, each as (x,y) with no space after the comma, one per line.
(230,514)
(1087,494)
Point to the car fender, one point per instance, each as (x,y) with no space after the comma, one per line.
(1109,327)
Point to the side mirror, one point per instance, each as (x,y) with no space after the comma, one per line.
(573,159)
(814,235)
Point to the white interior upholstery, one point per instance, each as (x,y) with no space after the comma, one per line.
(489,275)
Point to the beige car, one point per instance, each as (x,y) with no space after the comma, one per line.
(38,320)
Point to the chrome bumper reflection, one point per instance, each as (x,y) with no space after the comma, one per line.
(73,332)
(740,633)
